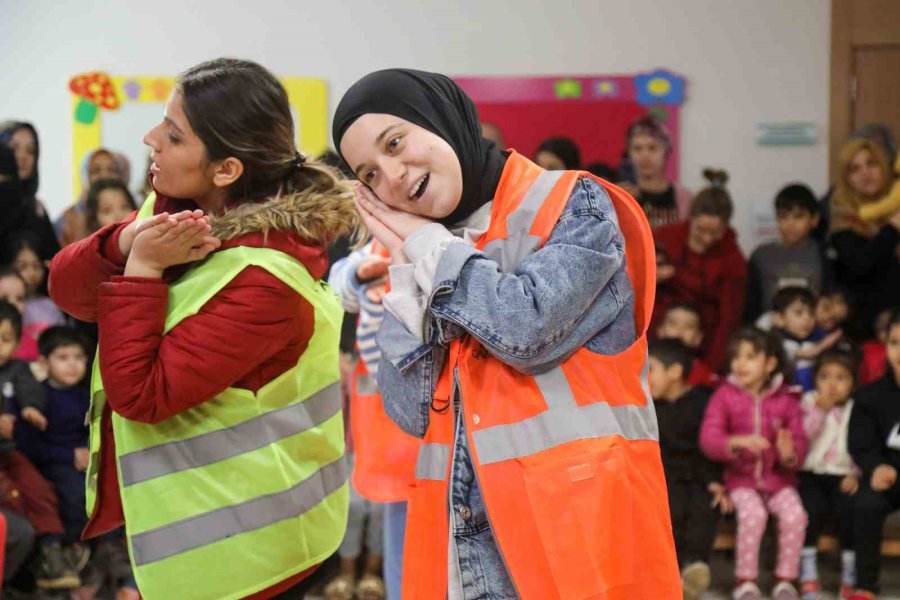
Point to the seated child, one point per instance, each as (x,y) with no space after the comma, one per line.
(874,361)
(875,447)
(832,311)
(693,480)
(108,201)
(33,496)
(682,321)
(796,259)
(829,479)
(753,424)
(59,449)
(12,289)
(23,254)
(794,318)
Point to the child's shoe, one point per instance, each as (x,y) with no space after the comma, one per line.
(77,557)
(371,587)
(863,595)
(747,591)
(810,590)
(846,592)
(695,580)
(340,588)
(785,591)
(53,572)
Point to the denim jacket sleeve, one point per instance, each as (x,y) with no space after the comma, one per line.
(571,293)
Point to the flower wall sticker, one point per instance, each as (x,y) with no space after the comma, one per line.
(567,88)
(95,91)
(659,87)
(606,88)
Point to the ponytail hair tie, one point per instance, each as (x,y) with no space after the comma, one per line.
(299,161)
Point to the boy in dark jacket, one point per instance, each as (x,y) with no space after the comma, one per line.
(60,448)
(875,447)
(693,481)
(26,492)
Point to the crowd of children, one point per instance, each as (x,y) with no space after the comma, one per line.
(772,396)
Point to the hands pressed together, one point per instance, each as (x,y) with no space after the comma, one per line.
(161,241)
(390,226)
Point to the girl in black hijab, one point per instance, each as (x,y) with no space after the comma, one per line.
(414,141)
(28,213)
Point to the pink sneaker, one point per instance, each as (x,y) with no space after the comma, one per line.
(785,591)
(747,591)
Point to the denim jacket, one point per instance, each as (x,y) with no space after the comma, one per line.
(571,293)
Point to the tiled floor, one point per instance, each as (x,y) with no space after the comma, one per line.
(722,566)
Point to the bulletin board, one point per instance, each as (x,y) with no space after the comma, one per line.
(594,110)
(130,101)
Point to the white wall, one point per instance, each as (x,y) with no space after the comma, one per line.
(744,61)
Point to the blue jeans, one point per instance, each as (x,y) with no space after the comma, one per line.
(394,531)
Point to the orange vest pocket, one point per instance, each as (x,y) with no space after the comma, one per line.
(583,509)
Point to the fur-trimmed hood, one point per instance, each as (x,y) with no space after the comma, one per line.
(315,217)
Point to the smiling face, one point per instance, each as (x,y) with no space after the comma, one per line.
(704,232)
(180,167)
(751,367)
(408,167)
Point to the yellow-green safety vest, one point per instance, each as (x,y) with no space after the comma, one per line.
(247,489)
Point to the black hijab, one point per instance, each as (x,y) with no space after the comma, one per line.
(436,103)
(7,129)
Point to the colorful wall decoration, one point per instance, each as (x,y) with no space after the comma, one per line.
(97,93)
(594,111)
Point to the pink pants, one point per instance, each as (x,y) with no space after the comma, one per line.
(753,509)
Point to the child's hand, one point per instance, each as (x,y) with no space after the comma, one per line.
(35,417)
(82,456)
(784,443)
(376,292)
(7,426)
(754,443)
(720,498)
(825,402)
(883,478)
(665,272)
(850,484)
(372,267)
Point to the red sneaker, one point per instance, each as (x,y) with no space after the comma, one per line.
(862,595)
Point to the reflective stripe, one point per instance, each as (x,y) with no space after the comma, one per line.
(365,385)
(559,426)
(519,243)
(223,444)
(555,389)
(432,462)
(208,528)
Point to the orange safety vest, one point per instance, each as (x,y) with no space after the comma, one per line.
(568,460)
(384,455)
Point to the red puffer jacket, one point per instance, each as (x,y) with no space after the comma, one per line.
(253,330)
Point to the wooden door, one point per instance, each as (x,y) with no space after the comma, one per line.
(865,68)
(877,83)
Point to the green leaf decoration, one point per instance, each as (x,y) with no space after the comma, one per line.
(85,112)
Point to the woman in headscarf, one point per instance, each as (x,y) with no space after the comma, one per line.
(26,213)
(98,165)
(868,256)
(513,342)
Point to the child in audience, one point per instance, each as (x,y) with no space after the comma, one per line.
(753,424)
(40,312)
(832,311)
(27,492)
(12,289)
(681,321)
(874,361)
(829,479)
(694,483)
(875,447)
(60,447)
(794,318)
(108,201)
(795,260)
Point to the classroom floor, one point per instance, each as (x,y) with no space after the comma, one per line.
(829,571)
